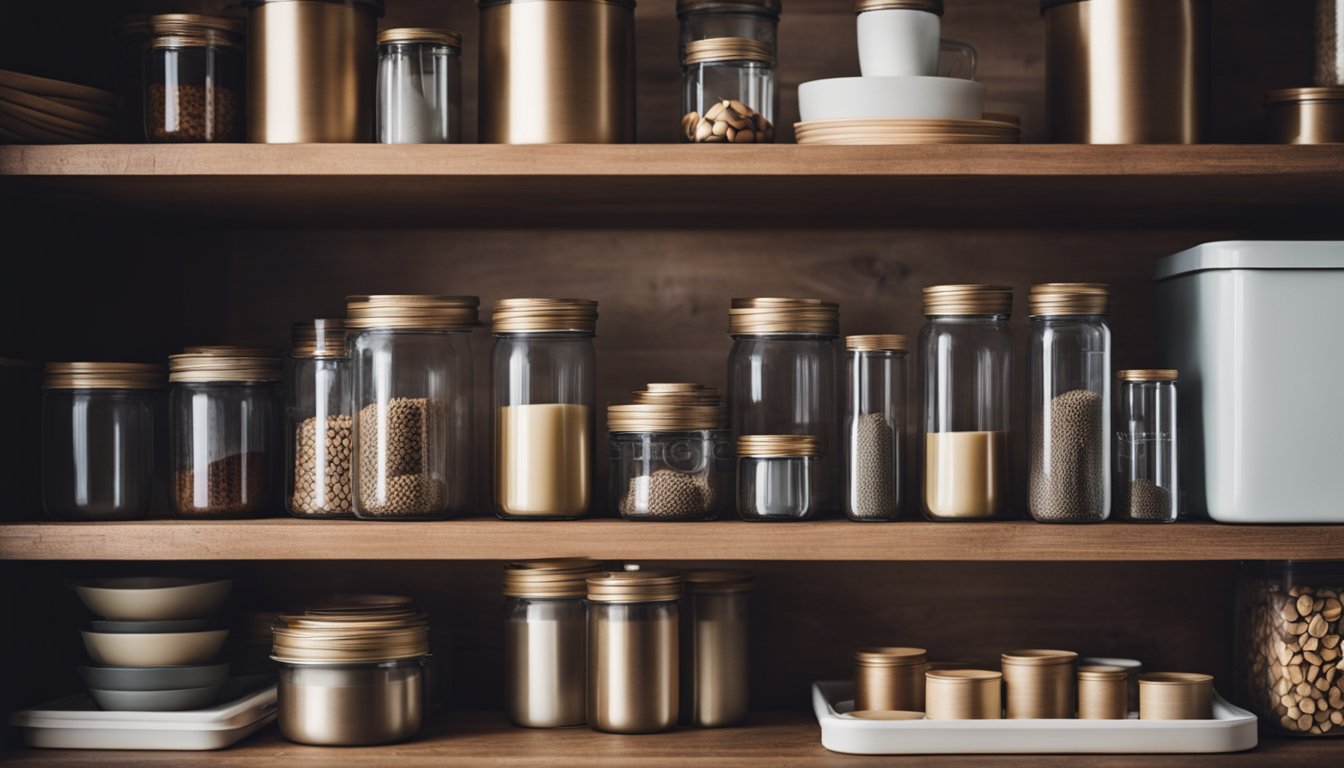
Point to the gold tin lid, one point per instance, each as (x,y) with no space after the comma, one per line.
(553,577)
(886,714)
(1038,657)
(1102,673)
(634,586)
(713,49)
(419,35)
(975,676)
(763,7)
(968,300)
(1069,299)
(893,656)
(352,629)
(210,364)
(103,376)
(1305,95)
(646,417)
(747,317)
(319,338)
(187,30)
(931,6)
(718,581)
(1175,678)
(878,342)
(412,312)
(541,315)
(778,446)
(1148,374)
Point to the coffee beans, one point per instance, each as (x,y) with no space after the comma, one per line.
(398,457)
(728,121)
(873,482)
(669,494)
(1295,674)
(322,479)
(234,486)
(1068,467)
(1148,500)
(194,113)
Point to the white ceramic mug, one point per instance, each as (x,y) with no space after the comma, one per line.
(907,42)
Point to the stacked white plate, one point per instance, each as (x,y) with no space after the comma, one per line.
(36,110)
(899,110)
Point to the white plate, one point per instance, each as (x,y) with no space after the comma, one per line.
(892,98)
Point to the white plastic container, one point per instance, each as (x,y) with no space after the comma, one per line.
(1253,328)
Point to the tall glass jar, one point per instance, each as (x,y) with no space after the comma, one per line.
(98,424)
(966,351)
(671,456)
(715,668)
(775,477)
(544,381)
(756,20)
(413,390)
(782,379)
(633,659)
(419,86)
(223,413)
(875,426)
(194,74)
(1069,476)
(1146,478)
(319,423)
(728,91)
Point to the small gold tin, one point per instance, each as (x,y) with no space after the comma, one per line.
(889,679)
(1103,693)
(1039,683)
(1175,696)
(963,694)
(1306,115)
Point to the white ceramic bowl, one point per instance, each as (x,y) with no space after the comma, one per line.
(158,650)
(891,98)
(153,598)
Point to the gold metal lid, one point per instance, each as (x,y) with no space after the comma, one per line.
(647,417)
(718,581)
(931,6)
(103,376)
(763,7)
(890,656)
(541,315)
(749,317)
(676,394)
(412,312)
(320,338)
(713,49)
(1069,299)
(186,30)
(1102,673)
(218,363)
(1038,657)
(554,577)
(419,35)
(1175,678)
(352,629)
(229,350)
(1303,95)
(878,342)
(778,446)
(634,586)
(1148,374)
(963,675)
(968,300)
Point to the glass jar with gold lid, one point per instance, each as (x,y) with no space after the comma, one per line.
(633,660)
(756,20)
(194,75)
(775,477)
(1147,478)
(875,426)
(319,423)
(728,91)
(419,86)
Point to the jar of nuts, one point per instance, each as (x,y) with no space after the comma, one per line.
(319,423)
(194,72)
(728,91)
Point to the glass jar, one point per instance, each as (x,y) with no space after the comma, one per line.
(632,651)
(966,351)
(419,86)
(1288,650)
(130,40)
(1146,487)
(756,20)
(715,667)
(98,440)
(224,418)
(1069,478)
(413,387)
(319,423)
(875,426)
(194,74)
(782,380)
(775,475)
(728,92)
(544,393)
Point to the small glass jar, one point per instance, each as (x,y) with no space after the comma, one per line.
(633,626)
(319,423)
(419,86)
(1146,482)
(1069,478)
(875,426)
(671,456)
(98,439)
(546,642)
(775,475)
(728,91)
(544,382)
(194,75)
(966,352)
(223,414)
(413,390)
(715,679)
(756,20)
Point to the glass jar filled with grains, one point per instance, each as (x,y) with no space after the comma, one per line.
(544,376)
(223,413)
(319,423)
(966,351)
(1146,480)
(413,390)
(775,477)
(633,655)
(194,74)
(875,426)
(1069,478)
(419,86)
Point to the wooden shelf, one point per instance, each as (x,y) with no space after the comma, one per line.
(490,539)
(690,186)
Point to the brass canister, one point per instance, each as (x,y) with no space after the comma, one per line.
(1126,71)
(310,70)
(1039,683)
(1103,693)
(714,663)
(890,679)
(1175,696)
(557,71)
(632,651)
(963,694)
(1306,115)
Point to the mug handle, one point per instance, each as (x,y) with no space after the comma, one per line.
(957,59)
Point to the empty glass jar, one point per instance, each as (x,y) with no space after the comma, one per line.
(319,423)
(671,455)
(875,426)
(775,475)
(419,86)
(1146,479)
(194,74)
(728,91)
(633,659)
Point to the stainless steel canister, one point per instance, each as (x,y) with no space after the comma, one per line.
(632,651)
(714,669)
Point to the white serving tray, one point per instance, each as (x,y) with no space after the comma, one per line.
(1231,730)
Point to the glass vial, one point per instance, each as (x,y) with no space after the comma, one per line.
(714,633)
(875,426)
(1146,478)
(546,642)
(1069,475)
(419,86)
(728,92)
(319,423)
(194,74)
(633,660)
(775,475)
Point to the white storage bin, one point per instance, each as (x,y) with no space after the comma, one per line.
(1253,328)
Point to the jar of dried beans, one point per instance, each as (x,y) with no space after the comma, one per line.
(728,91)
(194,74)
(875,426)
(319,423)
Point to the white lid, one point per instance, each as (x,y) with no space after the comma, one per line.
(1253,254)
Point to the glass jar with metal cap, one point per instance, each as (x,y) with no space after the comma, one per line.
(413,388)
(194,74)
(546,642)
(633,671)
(1039,684)
(319,423)
(419,86)
(1069,419)
(875,426)
(715,667)
(890,679)
(544,377)
(1147,485)
(746,19)
(775,475)
(728,91)
(98,425)
(223,415)
(966,351)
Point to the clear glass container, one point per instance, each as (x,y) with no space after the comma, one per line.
(544,384)
(774,477)
(671,475)
(715,666)
(194,75)
(756,20)
(875,426)
(319,423)
(546,642)
(1069,419)
(98,425)
(966,352)
(419,86)
(1146,477)
(633,653)
(728,92)
(413,393)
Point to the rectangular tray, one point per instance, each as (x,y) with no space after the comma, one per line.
(1231,730)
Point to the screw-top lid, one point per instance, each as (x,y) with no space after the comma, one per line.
(669,407)
(718,581)
(634,587)
(890,656)
(762,7)
(1038,657)
(319,338)
(553,577)
(1069,299)
(728,49)
(1317,94)
(357,632)
(1148,374)
(968,300)
(186,30)
(541,315)
(778,446)
(204,364)
(932,6)
(878,342)
(748,317)
(103,376)
(419,35)
(661,393)
(412,312)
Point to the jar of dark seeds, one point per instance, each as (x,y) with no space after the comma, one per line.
(319,425)
(1146,488)
(1070,403)
(671,454)
(875,426)
(194,74)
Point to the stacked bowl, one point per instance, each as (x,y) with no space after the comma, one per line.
(36,110)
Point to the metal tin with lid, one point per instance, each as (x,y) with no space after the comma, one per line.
(1306,115)
(1039,683)
(1103,693)
(890,678)
(633,656)
(963,694)
(714,647)
(545,641)
(1175,696)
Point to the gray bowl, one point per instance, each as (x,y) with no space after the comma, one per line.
(155,701)
(148,627)
(153,678)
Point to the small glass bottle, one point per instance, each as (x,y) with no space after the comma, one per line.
(875,426)
(1069,476)
(319,423)
(633,655)
(194,74)
(668,452)
(715,667)
(544,382)
(966,351)
(775,475)
(1146,480)
(419,86)
(728,91)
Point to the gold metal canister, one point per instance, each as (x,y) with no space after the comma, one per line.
(963,694)
(632,651)
(890,679)
(1039,684)
(714,669)
(1306,115)
(1175,696)
(557,71)
(1103,693)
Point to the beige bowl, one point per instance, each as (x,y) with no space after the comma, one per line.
(153,598)
(161,650)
